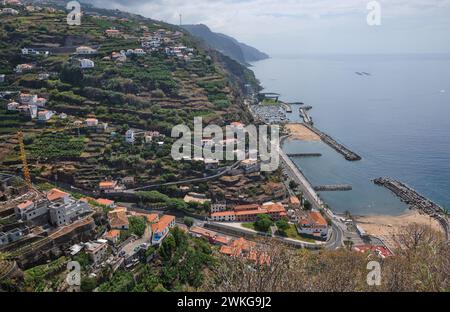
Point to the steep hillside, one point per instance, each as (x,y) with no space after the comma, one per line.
(150,91)
(227,45)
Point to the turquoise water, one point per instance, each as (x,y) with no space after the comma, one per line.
(397,119)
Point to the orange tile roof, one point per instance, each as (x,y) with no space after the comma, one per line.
(222,239)
(318,218)
(86,199)
(274,208)
(315,219)
(107,184)
(202,231)
(118,219)
(294,200)
(153,217)
(223,214)
(246,207)
(56,194)
(25,204)
(104,202)
(112,234)
(226,250)
(162,224)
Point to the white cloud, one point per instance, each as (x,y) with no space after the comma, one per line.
(317,23)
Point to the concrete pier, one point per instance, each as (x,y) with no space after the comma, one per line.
(304,155)
(341,149)
(333,188)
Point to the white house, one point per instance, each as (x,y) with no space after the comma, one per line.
(28,210)
(223,216)
(162,228)
(84,50)
(10,11)
(92,122)
(130,136)
(23,67)
(13,106)
(218,207)
(97,251)
(313,224)
(27,98)
(45,115)
(85,63)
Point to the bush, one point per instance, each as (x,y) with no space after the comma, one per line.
(263,223)
(188,221)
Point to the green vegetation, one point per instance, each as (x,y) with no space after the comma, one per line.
(44,277)
(282,226)
(56,146)
(137,227)
(188,221)
(182,260)
(263,223)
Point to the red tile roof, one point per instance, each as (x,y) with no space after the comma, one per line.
(25,204)
(104,202)
(56,194)
(162,224)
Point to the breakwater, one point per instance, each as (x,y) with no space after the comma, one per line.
(304,154)
(333,188)
(341,149)
(416,201)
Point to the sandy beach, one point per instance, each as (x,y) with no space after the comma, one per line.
(384,227)
(300,132)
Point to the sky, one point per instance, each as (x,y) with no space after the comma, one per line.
(293,27)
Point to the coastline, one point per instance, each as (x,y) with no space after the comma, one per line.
(299,132)
(385,227)
(382,226)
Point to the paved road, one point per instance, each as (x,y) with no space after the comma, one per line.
(338,228)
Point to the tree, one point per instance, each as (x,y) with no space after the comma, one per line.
(307,205)
(137,226)
(188,221)
(282,226)
(293,185)
(263,223)
(88,284)
(71,74)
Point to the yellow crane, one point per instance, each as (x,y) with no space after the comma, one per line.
(23,157)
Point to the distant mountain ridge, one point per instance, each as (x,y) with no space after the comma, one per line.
(227,45)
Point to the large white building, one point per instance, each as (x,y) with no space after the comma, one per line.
(313,224)
(97,251)
(66,213)
(29,211)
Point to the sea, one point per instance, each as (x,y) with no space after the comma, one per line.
(396,117)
